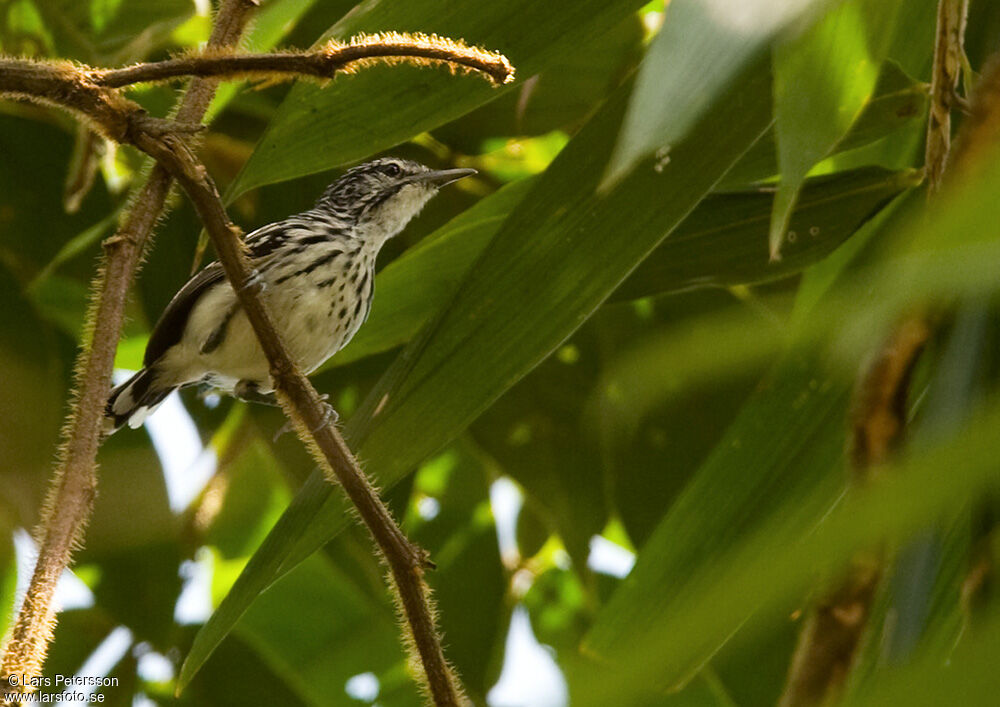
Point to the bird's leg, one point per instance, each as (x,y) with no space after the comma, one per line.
(249,392)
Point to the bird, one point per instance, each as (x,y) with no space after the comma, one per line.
(315,272)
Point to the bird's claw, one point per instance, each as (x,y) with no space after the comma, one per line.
(330,416)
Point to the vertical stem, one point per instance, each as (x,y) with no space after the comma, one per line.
(71,496)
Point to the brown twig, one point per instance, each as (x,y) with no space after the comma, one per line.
(832,633)
(124,121)
(321,63)
(833,630)
(303,405)
(71,497)
(948,59)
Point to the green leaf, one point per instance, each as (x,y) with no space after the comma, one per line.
(967,677)
(334,632)
(561,97)
(768,568)
(756,473)
(679,71)
(898,106)
(320,128)
(724,241)
(556,258)
(822,81)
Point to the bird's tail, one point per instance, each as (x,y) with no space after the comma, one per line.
(134,400)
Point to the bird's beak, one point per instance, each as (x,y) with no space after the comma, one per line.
(442,176)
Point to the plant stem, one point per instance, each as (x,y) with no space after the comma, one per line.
(71,496)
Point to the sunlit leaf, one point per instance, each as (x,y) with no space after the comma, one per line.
(822,80)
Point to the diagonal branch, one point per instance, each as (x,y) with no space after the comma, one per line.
(70,499)
(304,407)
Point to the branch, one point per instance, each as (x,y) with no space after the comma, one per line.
(304,407)
(70,500)
(320,63)
(81,91)
(834,628)
(948,59)
(829,640)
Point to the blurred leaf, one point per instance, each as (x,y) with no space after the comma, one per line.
(678,70)
(252,492)
(77,245)
(108,33)
(559,98)
(31,403)
(750,475)
(8,575)
(130,478)
(269,26)
(657,425)
(238,674)
(22,31)
(532,531)
(765,569)
(554,260)
(534,433)
(333,634)
(33,226)
(138,588)
(822,81)
(355,116)
(462,540)
(967,678)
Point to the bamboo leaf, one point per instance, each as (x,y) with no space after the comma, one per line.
(556,258)
(822,81)
(318,128)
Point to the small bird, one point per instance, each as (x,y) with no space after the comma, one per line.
(316,273)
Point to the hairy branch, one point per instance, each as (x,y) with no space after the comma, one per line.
(305,408)
(70,499)
(91,94)
(320,63)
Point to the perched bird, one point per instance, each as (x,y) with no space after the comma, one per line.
(316,271)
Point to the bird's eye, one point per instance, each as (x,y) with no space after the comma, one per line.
(393,170)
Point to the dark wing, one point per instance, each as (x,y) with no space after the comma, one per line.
(170,328)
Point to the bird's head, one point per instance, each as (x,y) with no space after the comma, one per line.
(379,198)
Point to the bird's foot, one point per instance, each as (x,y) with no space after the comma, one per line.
(330,416)
(254,282)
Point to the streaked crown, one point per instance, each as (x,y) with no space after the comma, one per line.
(380,197)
